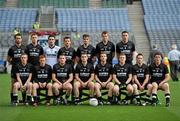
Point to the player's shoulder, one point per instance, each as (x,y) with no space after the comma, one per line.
(56,47)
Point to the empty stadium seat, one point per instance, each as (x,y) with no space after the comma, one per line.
(22,18)
(92,20)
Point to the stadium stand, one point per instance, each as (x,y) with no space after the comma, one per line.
(55,3)
(162,20)
(157,7)
(113,4)
(22,18)
(92,20)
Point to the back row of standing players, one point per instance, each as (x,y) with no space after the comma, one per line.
(62,61)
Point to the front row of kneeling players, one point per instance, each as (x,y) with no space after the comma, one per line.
(135,78)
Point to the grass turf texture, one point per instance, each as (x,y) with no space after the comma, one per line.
(89,113)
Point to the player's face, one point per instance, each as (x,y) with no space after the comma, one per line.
(62,59)
(67,42)
(84,58)
(34,39)
(103,57)
(24,59)
(51,41)
(125,37)
(105,37)
(86,40)
(139,59)
(18,40)
(42,61)
(157,59)
(122,58)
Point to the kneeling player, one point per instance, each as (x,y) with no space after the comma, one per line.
(122,76)
(103,77)
(42,78)
(84,75)
(62,76)
(159,77)
(23,73)
(141,78)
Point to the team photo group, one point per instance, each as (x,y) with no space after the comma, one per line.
(65,72)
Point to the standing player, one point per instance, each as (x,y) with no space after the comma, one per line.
(122,76)
(84,75)
(62,76)
(42,80)
(141,78)
(34,50)
(105,46)
(13,58)
(23,73)
(51,51)
(127,47)
(103,77)
(68,51)
(159,76)
(88,49)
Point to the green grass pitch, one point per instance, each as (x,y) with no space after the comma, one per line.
(89,113)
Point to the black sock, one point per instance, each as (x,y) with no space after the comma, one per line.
(167,96)
(67,96)
(48,98)
(154,98)
(137,98)
(109,99)
(28,98)
(55,97)
(11,95)
(99,99)
(15,98)
(128,97)
(35,99)
(23,96)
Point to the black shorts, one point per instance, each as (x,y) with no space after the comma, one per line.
(158,82)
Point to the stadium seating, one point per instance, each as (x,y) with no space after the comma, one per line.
(92,20)
(55,3)
(152,7)
(22,18)
(113,4)
(162,18)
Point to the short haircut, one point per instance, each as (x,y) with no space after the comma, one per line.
(158,53)
(67,38)
(34,34)
(104,32)
(139,54)
(85,35)
(122,54)
(84,54)
(51,36)
(17,35)
(24,54)
(42,56)
(125,32)
(61,55)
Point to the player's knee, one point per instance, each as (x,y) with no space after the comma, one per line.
(135,86)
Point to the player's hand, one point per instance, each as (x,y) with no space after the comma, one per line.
(40,85)
(23,88)
(160,85)
(44,84)
(84,84)
(141,88)
(104,84)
